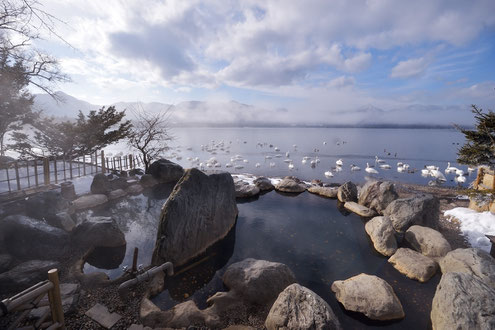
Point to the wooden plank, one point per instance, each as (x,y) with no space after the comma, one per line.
(36,172)
(46,170)
(16,166)
(55,169)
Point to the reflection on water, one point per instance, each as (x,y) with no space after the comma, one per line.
(313,236)
(107,257)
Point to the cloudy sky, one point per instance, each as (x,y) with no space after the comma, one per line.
(317,58)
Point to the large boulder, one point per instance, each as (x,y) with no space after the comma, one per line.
(463,301)
(98,232)
(471,261)
(264,184)
(258,281)
(147,180)
(427,241)
(5,262)
(377,195)
(245,190)
(417,210)
(382,235)
(45,205)
(89,201)
(330,192)
(413,264)
(347,192)
(100,184)
(359,209)
(25,275)
(117,193)
(27,238)
(291,184)
(165,171)
(200,211)
(370,295)
(298,307)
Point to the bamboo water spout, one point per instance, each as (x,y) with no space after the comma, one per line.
(147,275)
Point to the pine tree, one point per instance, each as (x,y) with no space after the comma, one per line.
(480,146)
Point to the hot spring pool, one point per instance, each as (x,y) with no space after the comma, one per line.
(317,239)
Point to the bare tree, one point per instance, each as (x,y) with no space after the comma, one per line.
(21,64)
(150,133)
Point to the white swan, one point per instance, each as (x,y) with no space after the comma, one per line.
(257,165)
(450,169)
(401,169)
(339,162)
(291,166)
(355,168)
(471,169)
(287,154)
(438,175)
(370,170)
(431,167)
(272,164)
(459,172)
(378,160)
(385,166)
(238,167)
(228,165)
(328,174)
(304,161)
(460,179)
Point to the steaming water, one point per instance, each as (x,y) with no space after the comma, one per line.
(318,241)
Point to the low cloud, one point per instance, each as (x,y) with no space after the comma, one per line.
(409,68)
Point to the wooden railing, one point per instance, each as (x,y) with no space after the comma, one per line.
(25,174)
(31,298)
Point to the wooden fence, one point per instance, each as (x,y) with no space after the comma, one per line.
(19,175)
(31,298)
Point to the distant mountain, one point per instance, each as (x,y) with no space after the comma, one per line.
(233,113)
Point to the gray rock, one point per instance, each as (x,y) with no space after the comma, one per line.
(377,195)
(417,210)
(27,238)
(118,182)
(382,235)
(45,205)
(68,191)
(165,171)
(245,190)
(369,295)
(118,193)
(134,189)
(330,192)
(347,192)
(428,241)
(291,185)
(413,264)
(263,183)
(463,301)
(148,180)
(298,307)
(470,261)
(98,232)
(100,184)
(65,221)
(360,210)
(25,275)
(89,201)
(258,281)
(5,262)
(200,211)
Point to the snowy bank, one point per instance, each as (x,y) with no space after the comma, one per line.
(474,225)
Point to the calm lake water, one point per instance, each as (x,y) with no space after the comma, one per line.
(313,235)
(358,146)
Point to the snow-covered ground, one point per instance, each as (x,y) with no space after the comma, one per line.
(474,225)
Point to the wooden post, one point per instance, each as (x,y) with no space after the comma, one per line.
(17,176)
(125,163)
(27,173)
(70,167)
(134,260)
(103,170)
(108,163)
(36,173)
(55,169)
(96,161)
(479,177)
(8,179)
(120,163)
(55,298)
(65,173)
(84,165)
(79,167)
(114,164)
(46,170)
(130,162)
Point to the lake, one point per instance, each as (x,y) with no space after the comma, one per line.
(358,146)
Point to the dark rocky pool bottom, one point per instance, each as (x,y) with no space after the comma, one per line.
(318,240)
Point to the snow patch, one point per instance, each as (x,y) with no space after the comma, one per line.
(474,225)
